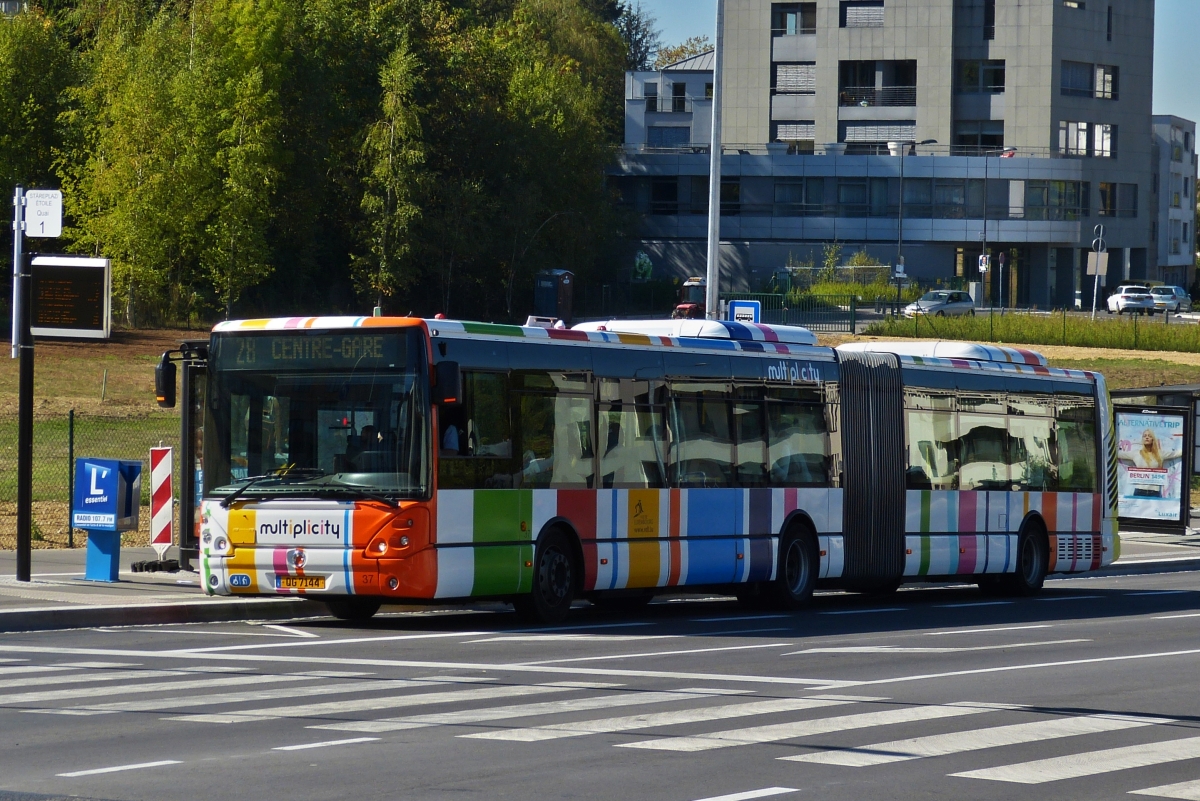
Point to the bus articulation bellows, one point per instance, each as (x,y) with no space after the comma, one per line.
(363,460)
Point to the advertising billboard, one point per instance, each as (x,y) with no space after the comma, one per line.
(71,297)
(1151,471)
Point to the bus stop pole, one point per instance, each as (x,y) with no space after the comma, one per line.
(23,344)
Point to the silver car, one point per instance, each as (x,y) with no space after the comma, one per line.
(1171,299)
(941,303)
(1133,299)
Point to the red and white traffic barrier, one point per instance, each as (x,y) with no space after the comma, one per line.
(162,500)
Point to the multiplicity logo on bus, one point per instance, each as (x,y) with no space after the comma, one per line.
(793,372)
(305,528)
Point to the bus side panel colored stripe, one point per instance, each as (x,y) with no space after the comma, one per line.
(578,507)
(1050,510)
(545,508)
(710,560)
(912,555)
(912,511)
(835,561)
(926,555)
(926,497)
(762,560)
(498,515)
(642,523)
(1065,511)
(943,511)
(455,516)
(967,502)
(665,543)
(676,570)
(456,572)
(1097,551)
(498,569)
(968,548)
(761,502)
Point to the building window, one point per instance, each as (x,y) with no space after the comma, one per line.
(668,136)
(1108,200)
(1073,138)
(708,91)
(790,19)
(852,197)
(872,137)
(1175,237)
(978,137)
(1080,4)
(794,79)
(664,195)
(731,197)
(980,76)
(1177,144)
(1127,200)
(799,197)
(650,91)
(989,20)
(679,97)
(862,14)
(1055,201)
(799,134)
(1106,141)
(1077,78)
(1107,81)
(1176,191)
(1110,20)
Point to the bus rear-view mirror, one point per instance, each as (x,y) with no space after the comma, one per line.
(447,389)
(164,382)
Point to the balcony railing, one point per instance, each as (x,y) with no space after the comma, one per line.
(667,104)
(867,96)
(890,211)
(821,149)
(802,31)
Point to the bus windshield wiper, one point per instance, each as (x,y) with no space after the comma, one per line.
(337,484)
(302,473)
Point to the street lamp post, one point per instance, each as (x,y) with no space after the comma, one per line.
(983,238)
(900,217)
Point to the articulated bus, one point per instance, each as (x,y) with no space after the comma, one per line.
(369,460)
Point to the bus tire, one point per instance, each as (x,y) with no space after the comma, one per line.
(355,610)
(799,565)
(554,579)
(1033,561)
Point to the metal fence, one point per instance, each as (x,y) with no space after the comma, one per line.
(829,314)
(58,438)
(626,299)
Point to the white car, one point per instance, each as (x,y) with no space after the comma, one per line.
(941,303)
(1171,299)
(1133,299)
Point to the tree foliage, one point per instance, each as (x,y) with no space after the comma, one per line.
(637,28)
(308,156)
(692,46)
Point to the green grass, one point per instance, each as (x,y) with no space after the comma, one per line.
(1133,333)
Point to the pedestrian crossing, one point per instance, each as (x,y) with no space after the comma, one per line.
(810,732)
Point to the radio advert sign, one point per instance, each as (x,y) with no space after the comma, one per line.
(1150,466)
(108,494)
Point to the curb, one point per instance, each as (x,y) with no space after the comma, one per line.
(80,617)
(1182,564)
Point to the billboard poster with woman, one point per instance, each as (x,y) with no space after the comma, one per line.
(1150,466)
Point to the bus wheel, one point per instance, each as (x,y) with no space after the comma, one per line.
(356,610)
(799,563)
(1033,560)
(553,581)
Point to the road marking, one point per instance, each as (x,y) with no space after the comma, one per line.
(1091,763)
(864,611)
(152,687)
(1068,598)
(85,678)
(1187,791)
(740,632)
(739,617)
(472,716)
(900,649)
(1160,592)
(97,771)
(987,631)
(252,696)
(308,635)
(386,702)
(600,638)
(582,627)
(327,744)
(977,740)
(657,653)
(344,641)
(650,721)
(971,604)
(1177,617)
(750,794)
(16,669)
(807,728)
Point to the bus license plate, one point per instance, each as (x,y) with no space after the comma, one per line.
(300,582)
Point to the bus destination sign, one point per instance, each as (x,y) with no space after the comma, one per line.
(71,297)
(304,351)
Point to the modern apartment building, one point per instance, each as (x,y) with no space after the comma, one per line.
(1033,118)
(1173,198)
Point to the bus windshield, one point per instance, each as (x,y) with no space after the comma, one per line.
(318,414)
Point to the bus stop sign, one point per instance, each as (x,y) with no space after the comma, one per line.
(745,311)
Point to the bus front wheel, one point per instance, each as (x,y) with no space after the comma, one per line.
(554,576)
(1033,562)
(799,563)
(355,610)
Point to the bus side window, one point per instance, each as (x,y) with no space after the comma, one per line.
(483,434)
(797,440)
(983,445)
(1031,450)
(1075,428)
(932,450)
(701,437)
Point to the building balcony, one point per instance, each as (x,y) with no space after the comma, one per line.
(664,104)
(870,96)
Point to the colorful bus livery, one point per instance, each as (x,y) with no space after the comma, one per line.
(411,460)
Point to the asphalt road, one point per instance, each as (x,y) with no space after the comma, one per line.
(1088,691)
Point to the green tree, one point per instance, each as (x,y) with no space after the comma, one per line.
(35,70)
(692,46)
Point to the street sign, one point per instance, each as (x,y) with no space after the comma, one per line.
(71,297)
(745,311)
(43,213)
(1097,260)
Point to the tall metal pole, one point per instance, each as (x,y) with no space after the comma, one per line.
(983,237)
(18,208)
(900,232)
(713,273)
(187,467)
(24,342)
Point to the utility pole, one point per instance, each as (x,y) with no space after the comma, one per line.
(22,348)
(713,281)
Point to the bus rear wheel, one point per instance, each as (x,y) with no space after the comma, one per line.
(355,610)
(554,576)
(1033,562)
(799,563)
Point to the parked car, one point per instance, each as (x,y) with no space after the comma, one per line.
(1171,299)
(941,303)
(1132,299)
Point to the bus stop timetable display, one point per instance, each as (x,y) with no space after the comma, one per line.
(291,351)
(71,297)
